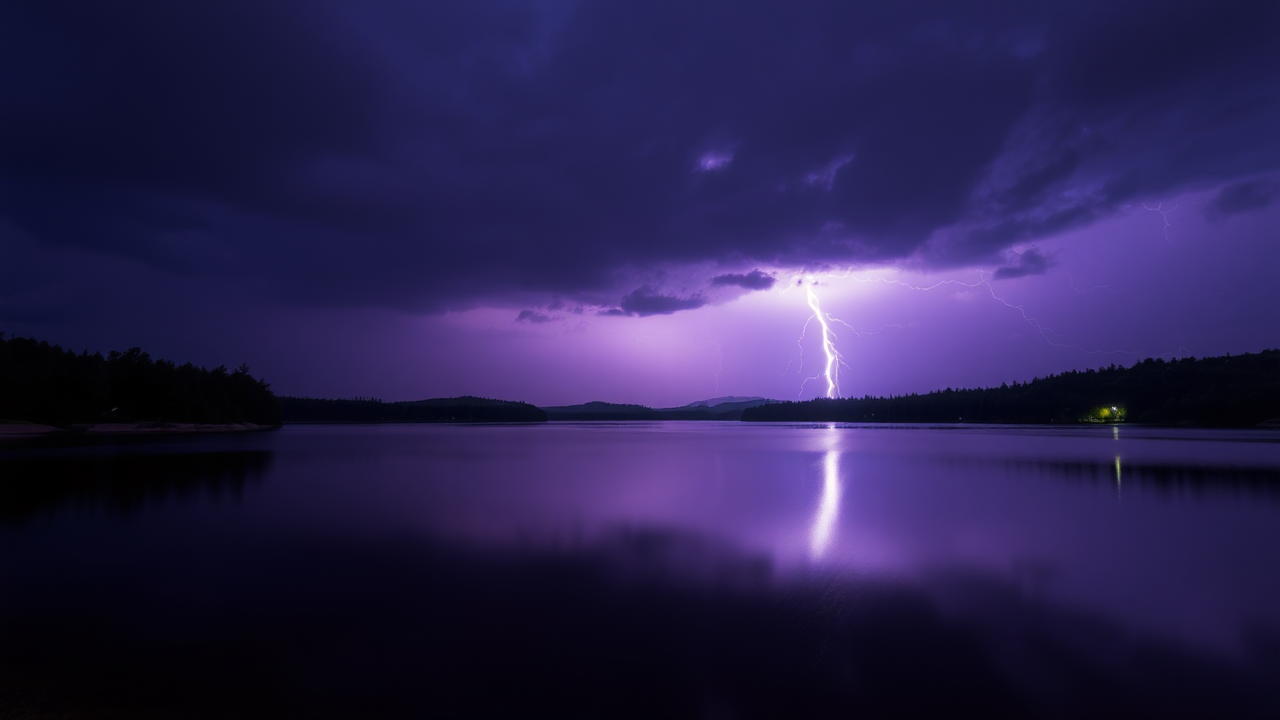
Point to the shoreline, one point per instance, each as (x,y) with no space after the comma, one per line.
(29,430)
(24,429)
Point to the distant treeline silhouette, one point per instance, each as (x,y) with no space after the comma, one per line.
(370,410)
(1229,391)
(610,412)
(46,384)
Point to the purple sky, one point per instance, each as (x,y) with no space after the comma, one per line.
(562,202)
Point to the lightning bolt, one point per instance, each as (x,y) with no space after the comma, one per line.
(834,359)
(832,368)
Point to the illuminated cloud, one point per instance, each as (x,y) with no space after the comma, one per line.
(711,161)
(446,165)
(825,177)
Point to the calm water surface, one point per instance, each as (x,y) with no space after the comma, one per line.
(675,569)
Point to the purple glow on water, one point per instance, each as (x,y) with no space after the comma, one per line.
(900,502)
(1145,540)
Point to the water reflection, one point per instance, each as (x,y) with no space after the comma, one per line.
(829,505)
(651,570)
(1165,479)
(122,484)
(417,629)
(1117,476)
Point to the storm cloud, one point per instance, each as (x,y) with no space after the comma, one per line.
(1028,262)
(429,157)
(534,317)
(1240,198)
(645,300)
(754,280)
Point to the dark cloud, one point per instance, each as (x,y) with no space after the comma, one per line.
(1028,262)
(644,300)
(754,280)
(533,316)
(1239,198)
(438,156)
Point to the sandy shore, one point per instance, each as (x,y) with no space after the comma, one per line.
(142,428)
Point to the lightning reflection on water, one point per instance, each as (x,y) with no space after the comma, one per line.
(829,505)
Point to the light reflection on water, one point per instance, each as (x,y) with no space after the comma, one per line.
(619,551)
(1117,477)
(829,505)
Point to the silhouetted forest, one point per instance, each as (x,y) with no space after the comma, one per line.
(46,384)
(1230,391)
(370,410)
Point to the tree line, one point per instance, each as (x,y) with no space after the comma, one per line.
(46,384)
(1228,391)
(372,410)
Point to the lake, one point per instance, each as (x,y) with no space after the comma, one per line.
(643,569)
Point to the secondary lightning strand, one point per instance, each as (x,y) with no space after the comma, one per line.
(1163,214)
(865,333)
(800,344)
(982,282)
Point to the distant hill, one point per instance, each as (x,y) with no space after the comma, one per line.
(597,410)
(745,401)
(723,408)
(368,410)
(1229,391)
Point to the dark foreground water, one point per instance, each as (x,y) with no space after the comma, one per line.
(669,569)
